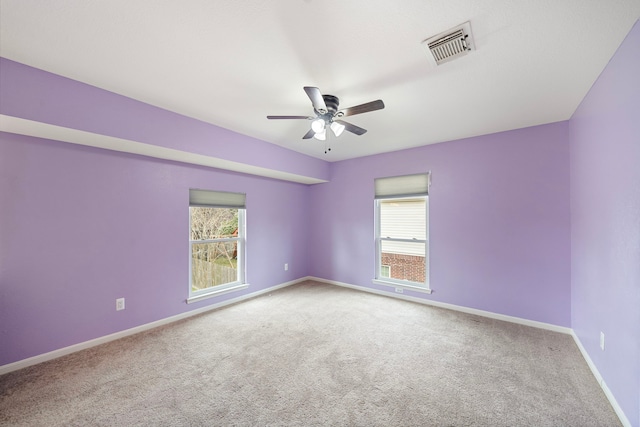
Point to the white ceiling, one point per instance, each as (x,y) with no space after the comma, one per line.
(232,63)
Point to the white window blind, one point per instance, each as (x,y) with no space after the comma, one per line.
(402,186)
(220,199)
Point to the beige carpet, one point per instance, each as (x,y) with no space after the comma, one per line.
(315,355)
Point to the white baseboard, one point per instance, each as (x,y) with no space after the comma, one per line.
(4,369)
(512,319)
(614,403)
(20,364)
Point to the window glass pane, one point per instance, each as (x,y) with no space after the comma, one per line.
(405,260)
(213,264)
(403,219)
(213,223)
(385,271)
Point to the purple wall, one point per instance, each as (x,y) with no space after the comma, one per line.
(81,227)
(605,224)
(499,221)
(33,94)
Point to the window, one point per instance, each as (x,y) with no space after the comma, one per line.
(216,243)
(401,231)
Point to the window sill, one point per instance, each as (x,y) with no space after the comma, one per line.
(402,286)
(217,292)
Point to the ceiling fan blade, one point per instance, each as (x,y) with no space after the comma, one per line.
(288,117)
(309,134)
(352,128)
(316,98)
(362,108)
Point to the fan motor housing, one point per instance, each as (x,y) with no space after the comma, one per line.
(332,103)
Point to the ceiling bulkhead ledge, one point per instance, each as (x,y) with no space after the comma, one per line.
(40,103)
(37,129)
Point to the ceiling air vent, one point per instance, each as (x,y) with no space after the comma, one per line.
(449,45)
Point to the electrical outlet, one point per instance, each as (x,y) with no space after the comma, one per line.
(286,267)
(120,304)
(602,341)
(399,290)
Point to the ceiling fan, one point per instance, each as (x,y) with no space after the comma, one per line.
(329,116)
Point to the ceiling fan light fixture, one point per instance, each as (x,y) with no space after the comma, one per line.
(337,128)
(327,108)
(321,135)
(318,125)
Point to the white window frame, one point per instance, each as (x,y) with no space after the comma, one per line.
(240,282)
(423,194)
